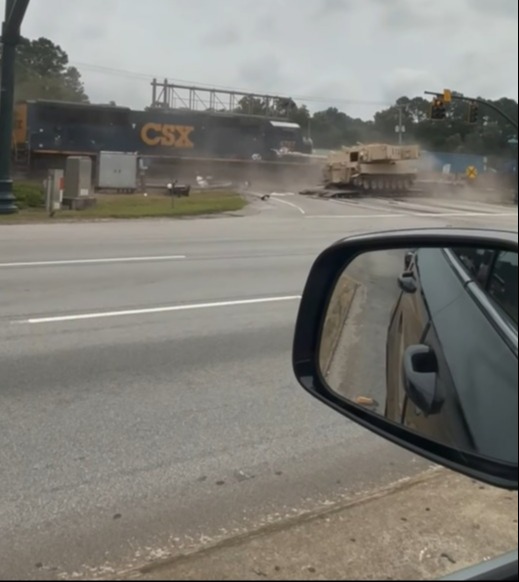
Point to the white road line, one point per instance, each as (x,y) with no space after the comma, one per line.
(289,204)
(415,207)
(408,206)
(417,214)
(378,208)
(151,310)
(91,261)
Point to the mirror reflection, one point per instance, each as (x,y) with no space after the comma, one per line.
(428,338)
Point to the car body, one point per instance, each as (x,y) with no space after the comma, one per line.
(460,306)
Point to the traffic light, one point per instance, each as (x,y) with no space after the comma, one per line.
(473,112)
(438,108)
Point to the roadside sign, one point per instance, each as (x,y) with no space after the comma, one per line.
(471,172)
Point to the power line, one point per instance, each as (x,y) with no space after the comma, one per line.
(147,77)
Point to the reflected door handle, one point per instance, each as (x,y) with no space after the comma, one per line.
(421,378)
(407,283)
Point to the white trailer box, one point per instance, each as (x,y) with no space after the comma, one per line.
(117,171)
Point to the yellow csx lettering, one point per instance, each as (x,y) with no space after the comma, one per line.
(175,136)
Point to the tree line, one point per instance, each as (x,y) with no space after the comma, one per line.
(331,128)
(43,72)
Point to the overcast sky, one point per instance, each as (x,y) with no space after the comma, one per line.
(334,52)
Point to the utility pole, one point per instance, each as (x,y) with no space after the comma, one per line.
(14,13)
(400,128)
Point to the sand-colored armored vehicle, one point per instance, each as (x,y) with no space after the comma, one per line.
(378,168)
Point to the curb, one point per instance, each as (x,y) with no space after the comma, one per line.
(336,316)
(311,516)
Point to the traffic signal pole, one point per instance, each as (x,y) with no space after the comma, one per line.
(14,13)
(447,96)
(460,97)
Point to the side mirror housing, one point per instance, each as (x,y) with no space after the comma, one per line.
(417,342)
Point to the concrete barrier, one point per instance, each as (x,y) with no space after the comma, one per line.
(336,316)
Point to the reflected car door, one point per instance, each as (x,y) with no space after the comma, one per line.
(476,351)
(407,327)
(441,288)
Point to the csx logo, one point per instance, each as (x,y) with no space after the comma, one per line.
(175,136)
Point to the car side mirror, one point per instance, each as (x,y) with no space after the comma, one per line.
(397,332)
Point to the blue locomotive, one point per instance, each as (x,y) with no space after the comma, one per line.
(50,129)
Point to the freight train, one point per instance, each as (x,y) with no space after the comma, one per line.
(52,130)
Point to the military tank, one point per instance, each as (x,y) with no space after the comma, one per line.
(375,168)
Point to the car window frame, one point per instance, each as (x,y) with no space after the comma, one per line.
(500,320)
(483,284)
(494,299)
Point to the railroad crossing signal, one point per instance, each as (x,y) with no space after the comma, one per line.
(471,172)
(438,108)
(473,112)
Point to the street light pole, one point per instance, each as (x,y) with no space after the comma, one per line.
(14,13)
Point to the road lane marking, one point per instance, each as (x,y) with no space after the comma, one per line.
(91,261)
(406,206)
(415,208)
(152,310)
(289,204)
(419,214)
(355,204)
(274,197)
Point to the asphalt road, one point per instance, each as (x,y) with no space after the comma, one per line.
(147,399)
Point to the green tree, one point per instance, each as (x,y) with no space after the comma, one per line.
(43,72)
(250,105)
(489,136)
(287,108)
(332,129)
(302,116)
